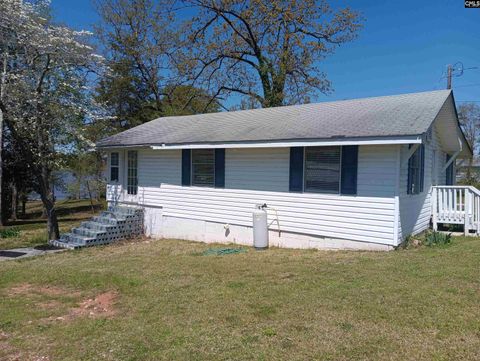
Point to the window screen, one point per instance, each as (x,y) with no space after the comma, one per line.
(114,165)
(322,169)
(203,167)
(132,179)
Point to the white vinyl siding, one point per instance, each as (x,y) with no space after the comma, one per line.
(160,167)
(377,170)
(415,209)
(261,175)
(262,169)
(355,218)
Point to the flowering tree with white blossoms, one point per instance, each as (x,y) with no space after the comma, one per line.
(44,89)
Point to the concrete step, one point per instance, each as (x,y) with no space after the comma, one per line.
(67,245)
(107,220)
(71,241)
(116,224)
(87,232)
(123,210)
(77,238)
(97,226)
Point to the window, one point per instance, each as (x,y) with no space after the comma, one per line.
(132,179)
(415,171)
(203,167)
(114,166)
(322,169)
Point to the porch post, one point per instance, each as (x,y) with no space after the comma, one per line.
(466,212)
(434,208)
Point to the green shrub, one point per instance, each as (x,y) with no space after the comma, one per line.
(434,238)
(9,232)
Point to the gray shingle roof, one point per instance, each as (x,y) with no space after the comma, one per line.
(386,116)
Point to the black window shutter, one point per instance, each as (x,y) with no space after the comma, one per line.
(422,166)
(220,168)
(409,179)
(296,169)
(349,169)
(186,167)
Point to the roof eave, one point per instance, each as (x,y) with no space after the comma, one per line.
(469,151)
(383,140)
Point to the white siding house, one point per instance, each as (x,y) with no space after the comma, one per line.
(345,190)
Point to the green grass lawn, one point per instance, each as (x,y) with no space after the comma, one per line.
(165,300)
(33,228)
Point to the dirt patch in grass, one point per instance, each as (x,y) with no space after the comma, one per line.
(29,289)
(53,300)
(10,353)
(47,305)
(101,305)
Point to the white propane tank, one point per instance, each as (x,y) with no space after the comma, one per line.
(260,228)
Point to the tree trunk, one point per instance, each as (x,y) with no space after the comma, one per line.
(79,187)
(2,109)
(48,200)
(52,221)
(14,202)
(24,206)
(99,175)
(1,164)
(90,196)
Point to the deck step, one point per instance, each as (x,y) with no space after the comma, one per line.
(115,224)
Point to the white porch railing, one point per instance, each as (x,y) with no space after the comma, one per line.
(456,205)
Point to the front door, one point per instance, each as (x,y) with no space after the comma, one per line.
(130,189)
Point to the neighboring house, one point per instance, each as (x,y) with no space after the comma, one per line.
(345,174)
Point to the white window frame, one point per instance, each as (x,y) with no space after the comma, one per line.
(191,169)
(134,187)
(339,174)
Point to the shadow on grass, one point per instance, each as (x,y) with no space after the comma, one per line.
(23,222)
(63,211)
(33,228)
(46,247)
(67,211)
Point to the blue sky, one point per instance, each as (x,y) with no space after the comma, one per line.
(404,47)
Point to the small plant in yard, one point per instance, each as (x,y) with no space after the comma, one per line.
(434,238)
(9,232)
(410,242)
